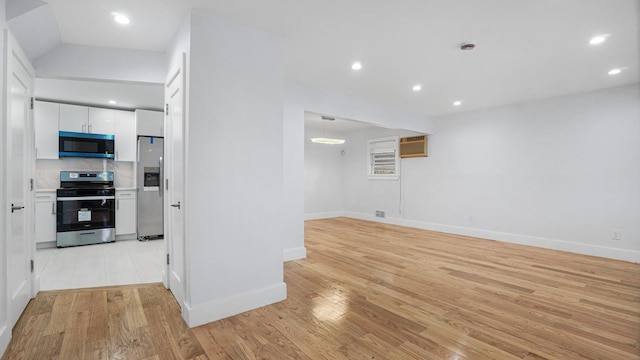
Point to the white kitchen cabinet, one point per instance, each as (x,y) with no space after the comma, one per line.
(125,212)
(125,136)
(149,123)
(73,118)
(84,119)
(101,121)
(45,217)
(45,118)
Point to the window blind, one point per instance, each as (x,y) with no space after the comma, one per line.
(382,157)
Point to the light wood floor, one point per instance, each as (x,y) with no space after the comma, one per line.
(368,291)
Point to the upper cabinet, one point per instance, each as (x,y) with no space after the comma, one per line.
(150,123)
(101,121)
(84,119)
(74,118)
(49,118)
(46,129)
(125,136)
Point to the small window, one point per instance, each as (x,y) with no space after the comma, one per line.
(383,158)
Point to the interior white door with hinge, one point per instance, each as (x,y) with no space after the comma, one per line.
(19,248)
(174,183)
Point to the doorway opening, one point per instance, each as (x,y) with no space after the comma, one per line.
(127,260)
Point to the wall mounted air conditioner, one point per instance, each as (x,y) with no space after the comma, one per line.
(413,146)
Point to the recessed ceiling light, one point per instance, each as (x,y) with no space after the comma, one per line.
(112,102)
(457,103)
(356,65)
(598,39)
(614,71)
(120,18)
(417,87)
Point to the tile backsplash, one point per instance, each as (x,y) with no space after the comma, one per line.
(48,171)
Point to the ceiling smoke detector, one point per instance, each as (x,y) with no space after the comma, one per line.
(467,46)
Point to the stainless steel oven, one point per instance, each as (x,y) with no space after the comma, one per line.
(86,208)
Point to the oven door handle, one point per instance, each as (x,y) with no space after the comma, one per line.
(76,198)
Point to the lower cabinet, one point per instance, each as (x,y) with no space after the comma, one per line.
(125,212)
(45,217)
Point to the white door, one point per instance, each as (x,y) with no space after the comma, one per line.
(18,167)
(174,175)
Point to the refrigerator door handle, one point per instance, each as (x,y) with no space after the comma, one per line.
(161,165)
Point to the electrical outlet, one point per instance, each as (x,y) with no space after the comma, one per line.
(40,175)
(471,219)
(617,235)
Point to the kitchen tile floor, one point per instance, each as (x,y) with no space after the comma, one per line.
(119,263)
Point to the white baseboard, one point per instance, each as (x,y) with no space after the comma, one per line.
(323,215)
(223,308)
(36,285)
(553,244)
(294,253)
(45,245)
(5,338)
(361,216)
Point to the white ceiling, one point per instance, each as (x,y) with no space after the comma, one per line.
(526,50)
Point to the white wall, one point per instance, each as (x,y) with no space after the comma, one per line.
(92,62)
(363,196)
(561,173)
(5,329)
(300,98)
(234,173)
(336,177)
(322,176)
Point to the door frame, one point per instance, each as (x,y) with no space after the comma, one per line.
(177,71)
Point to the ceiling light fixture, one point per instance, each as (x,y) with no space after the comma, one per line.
(120,18)
(112,102)
(324,140)
(417,87)
(614,71)
(328,141)
(457,103)
(598,39)
(356,66)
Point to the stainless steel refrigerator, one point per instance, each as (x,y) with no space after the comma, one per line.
(150,190)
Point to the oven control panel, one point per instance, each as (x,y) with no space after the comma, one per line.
(82,179)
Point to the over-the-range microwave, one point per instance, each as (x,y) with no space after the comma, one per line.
(74,144)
